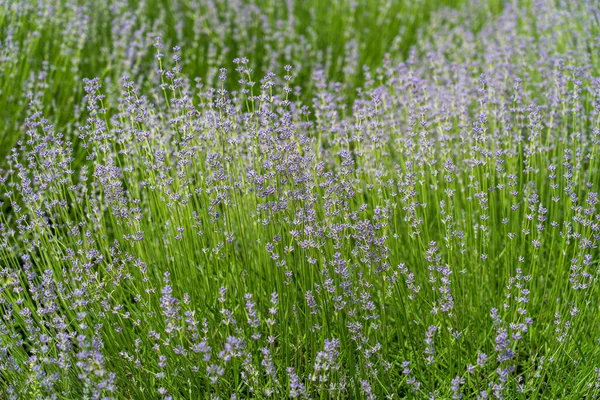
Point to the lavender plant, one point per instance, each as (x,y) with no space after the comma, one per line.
(47,47)
(425,226)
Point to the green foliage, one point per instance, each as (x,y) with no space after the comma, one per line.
(424,225)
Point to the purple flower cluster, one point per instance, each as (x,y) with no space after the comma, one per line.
(207,238)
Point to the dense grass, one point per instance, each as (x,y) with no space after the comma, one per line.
(295,224)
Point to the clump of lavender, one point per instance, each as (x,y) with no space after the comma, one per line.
(195,223)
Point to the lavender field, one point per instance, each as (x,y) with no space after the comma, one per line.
(345,199)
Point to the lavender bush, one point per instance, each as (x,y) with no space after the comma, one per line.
(47,46)
(296,225)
